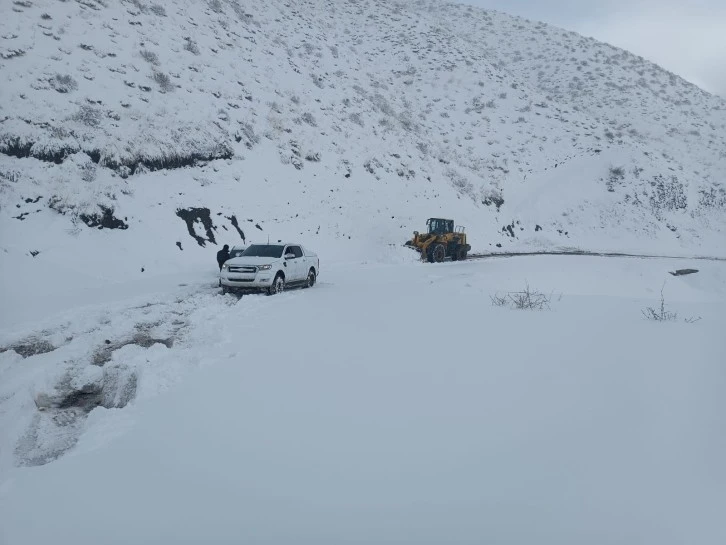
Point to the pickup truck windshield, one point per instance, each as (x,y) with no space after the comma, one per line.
(263,250)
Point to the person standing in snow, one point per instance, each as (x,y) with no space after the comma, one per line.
(222,256)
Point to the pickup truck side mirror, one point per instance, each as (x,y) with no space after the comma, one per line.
(289,256)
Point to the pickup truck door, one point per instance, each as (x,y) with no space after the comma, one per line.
(295,266)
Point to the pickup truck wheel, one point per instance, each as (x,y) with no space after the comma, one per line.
(311,278)
(278,285)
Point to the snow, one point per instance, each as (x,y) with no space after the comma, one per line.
(393,402)
(390,403)
(347,122)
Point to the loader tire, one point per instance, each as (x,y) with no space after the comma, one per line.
(438,253)
(461,254)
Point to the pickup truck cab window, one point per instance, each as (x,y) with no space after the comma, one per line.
(295,250)
(263,250)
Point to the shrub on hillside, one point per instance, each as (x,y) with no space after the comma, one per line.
(356,118)
(149,56)
(63,83)
(309,118)
(88,115)
(615,176)
(191,46)
(163,81)
(667,194)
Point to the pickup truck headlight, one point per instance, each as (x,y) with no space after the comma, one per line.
(225,266)
(264,267)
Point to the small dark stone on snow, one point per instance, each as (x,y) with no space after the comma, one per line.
(499,245)
(537,228)
(258,226)
(142,269)
(180,246)
(34,252)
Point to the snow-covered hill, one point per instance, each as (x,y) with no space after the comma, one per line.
(138,404)
(344,124)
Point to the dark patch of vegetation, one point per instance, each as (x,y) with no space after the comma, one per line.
(14,147)
(158,10)
(615,176)
(63,83)
(194,215)
(496,200)
(191,46)
(509,230)
(235,224)
(105,220)
(668,194)
(163,81)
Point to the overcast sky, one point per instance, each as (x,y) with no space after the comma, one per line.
(686,37)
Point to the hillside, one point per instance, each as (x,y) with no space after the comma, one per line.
(342,124)
(139,404)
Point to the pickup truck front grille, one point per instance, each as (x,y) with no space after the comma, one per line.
(234,269)
(241,279)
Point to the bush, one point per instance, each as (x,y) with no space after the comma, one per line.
(163,81)
(527,299)
(615,176)
(88,115)
(191,46)
(149,56)
(63,84)
(660,314)
(159,10)
(309,118)
(356,118)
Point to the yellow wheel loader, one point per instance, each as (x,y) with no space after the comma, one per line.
(442,241)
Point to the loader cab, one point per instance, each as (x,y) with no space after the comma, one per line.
(438,226)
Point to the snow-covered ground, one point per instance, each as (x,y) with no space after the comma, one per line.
(391,403)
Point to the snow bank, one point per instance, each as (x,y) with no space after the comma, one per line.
(394,403)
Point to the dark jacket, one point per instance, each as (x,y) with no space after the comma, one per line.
(222,256)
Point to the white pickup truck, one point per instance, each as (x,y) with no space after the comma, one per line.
(270,268)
